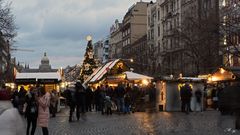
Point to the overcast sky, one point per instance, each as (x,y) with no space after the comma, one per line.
(59,27)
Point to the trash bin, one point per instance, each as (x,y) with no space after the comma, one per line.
(61,103)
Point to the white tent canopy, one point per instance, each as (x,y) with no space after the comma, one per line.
(40,75)
(136,76)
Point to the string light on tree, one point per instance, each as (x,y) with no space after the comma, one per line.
(89,64)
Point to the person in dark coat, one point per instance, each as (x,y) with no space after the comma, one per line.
(80,96)
(120,92)
(15,99)
(21,95)
(102,98)
(186,94)
(71,101)
(89,99)
(97,98)
(31,112)
(127,102)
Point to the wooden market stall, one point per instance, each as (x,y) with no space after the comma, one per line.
(115,72)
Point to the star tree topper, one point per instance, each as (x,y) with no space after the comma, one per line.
(89,38)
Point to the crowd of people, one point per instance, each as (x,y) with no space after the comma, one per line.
(186,96)
(35,105)
(105,99)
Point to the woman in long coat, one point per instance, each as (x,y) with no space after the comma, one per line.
(43,110)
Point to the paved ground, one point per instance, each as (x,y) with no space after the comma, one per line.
(11,123)
(162,123)
(4,105)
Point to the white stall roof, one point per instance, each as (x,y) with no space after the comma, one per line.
(101,72)
(136,76)
(40,75)
(92,75)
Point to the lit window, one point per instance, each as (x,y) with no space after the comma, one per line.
(224,20)
(224,3)
(225,40)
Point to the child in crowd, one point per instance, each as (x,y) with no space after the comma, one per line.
(108,105)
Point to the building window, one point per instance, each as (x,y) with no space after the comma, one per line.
(158,30)
(152,34)
(159,49)
(223,3)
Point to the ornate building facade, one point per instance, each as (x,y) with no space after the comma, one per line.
(43,67)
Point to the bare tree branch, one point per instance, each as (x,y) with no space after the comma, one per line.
(7,25)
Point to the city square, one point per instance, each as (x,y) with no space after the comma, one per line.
(115,67)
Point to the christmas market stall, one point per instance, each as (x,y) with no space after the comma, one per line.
(136,78)
(110,73)
(223,86)
(227,74)
(168,92)
(115,72)
(49,80)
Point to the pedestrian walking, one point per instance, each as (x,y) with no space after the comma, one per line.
(80,99)
(43,110)
(89,99)
(69,94)
(31,112)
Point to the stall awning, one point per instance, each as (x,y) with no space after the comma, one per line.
(136,76)
(92,75)
(42,77)
(102,71)
(225,74)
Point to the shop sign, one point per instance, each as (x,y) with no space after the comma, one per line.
(116,77)
(31,81)
(47,80)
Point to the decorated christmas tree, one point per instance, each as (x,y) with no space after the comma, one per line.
(89,64)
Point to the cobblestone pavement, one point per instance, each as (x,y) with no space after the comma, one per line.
(162,123)
(4,105)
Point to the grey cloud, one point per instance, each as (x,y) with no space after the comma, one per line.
(59,27)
